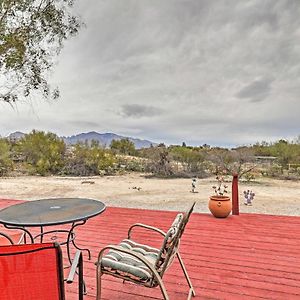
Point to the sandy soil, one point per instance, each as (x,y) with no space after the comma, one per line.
(134,190)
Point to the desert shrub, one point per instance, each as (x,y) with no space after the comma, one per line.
(275,171)
(249,176)
(123,146)
(87,160)
(290,177)
(239,160)
(129,163)
(43,152)
(176,161)
(189,158)
(285,152)
(159,163)
(6,163)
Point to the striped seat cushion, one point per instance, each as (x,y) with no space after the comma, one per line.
(116,262)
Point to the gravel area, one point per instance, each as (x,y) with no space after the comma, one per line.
(276,197)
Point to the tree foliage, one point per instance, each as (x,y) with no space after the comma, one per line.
(44,152)
(238,161)
(31,35)
(285,152)
(159,162)
(5,159)
(191,158)
(89,160)
(123,146)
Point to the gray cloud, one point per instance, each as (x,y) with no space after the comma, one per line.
(83,124)
(256,91)
(218,72)
(138,111)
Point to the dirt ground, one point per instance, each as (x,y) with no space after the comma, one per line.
(135,190)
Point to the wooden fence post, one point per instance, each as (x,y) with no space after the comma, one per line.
(235,194)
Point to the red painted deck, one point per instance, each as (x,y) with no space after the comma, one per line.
(249,256)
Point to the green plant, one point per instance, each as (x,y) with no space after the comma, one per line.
(129,163)
(6,163)
(236,161)
(159,164)
(191,159)
(275,171)
(249,176)
(32,34)
(43,152)
(89,160)
(123,146)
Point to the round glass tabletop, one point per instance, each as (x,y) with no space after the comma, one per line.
(51,211)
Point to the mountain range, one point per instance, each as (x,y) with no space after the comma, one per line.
(104,139)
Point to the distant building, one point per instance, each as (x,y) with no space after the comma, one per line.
(266,160)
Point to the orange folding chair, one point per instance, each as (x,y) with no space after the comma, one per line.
(35,272)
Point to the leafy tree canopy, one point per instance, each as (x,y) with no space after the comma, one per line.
(123,146)
(31,35)
(43,151)
(5,160)
(90,160)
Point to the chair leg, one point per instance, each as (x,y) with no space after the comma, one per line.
(192,291)
(99,276)
(159,280)
(82,287)
(162,287)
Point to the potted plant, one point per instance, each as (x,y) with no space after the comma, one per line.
(219,204)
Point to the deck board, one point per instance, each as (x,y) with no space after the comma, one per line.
(250,256)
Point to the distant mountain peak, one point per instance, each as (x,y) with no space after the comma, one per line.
(16,135)
(104,139)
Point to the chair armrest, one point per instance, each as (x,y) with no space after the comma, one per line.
(76,263)
(148,227)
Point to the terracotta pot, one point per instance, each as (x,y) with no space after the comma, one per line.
(220,206)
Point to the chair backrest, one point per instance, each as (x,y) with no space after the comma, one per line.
(186,217)
(171,241)
(31,271)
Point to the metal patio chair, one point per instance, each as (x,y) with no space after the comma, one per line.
(142,264)
(35,272)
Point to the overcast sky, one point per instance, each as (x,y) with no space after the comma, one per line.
(216,72)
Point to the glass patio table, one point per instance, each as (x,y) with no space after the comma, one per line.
(52,212)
